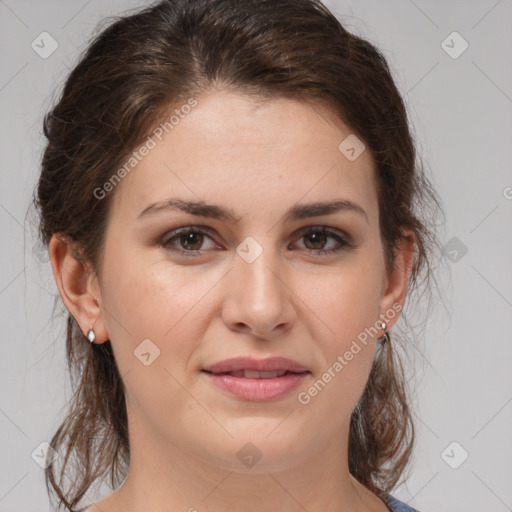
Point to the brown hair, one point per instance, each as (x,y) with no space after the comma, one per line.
(133,73)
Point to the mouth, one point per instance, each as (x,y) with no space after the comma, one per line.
(260,368)
(254,374)
(257,380)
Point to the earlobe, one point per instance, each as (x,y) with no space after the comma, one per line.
(395,293)
(76,281)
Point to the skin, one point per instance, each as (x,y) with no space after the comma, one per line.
(257,159)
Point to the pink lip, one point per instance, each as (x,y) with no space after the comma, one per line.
(257,389)
(250,363)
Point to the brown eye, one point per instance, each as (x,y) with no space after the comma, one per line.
(317,238)
(187,241)
(192,240)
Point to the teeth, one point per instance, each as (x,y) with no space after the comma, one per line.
(253,374)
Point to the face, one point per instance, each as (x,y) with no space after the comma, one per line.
(259,283)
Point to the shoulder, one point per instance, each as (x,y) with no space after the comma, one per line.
(398,506)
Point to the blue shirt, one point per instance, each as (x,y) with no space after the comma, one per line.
(397,506)
(393,503)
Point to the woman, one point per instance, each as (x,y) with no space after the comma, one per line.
(231,203)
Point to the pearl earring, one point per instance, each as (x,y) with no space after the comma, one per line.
(385,336)
(91,336)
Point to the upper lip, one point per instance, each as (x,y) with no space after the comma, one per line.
(250,363)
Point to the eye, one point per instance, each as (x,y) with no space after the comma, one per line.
(319,235)
(189,239)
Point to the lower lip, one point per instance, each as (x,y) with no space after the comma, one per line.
(257,390)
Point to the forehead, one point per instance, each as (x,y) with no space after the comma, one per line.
(247,155)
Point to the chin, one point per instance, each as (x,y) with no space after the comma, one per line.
(258,453)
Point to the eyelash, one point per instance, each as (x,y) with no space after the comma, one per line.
(175,234)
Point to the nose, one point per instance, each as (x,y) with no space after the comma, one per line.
(258,300)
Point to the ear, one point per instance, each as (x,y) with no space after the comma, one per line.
(395,285)
(78,286)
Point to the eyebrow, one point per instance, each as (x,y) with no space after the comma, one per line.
(296,212)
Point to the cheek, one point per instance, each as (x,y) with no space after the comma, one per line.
(153,300)
(150,313)
(345,310)
(346,301)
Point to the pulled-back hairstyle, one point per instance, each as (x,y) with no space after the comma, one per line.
(132,75)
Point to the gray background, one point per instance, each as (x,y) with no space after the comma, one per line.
(461,110)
